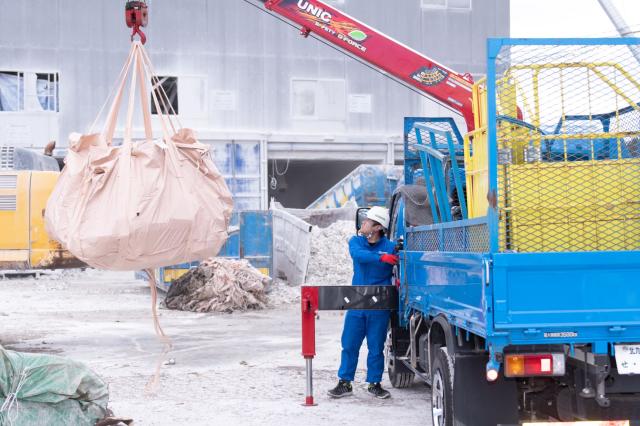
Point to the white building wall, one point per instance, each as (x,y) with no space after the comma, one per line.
(237,67)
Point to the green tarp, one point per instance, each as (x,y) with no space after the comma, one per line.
(40,389)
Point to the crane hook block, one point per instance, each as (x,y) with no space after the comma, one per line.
(137,15)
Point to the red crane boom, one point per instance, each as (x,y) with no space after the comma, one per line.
(434,80)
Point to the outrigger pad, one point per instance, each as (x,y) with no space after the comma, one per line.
(345,297)
(477,402)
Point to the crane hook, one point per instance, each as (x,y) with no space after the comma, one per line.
(137,30)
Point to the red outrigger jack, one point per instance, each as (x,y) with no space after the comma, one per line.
(309,298)
(337,298)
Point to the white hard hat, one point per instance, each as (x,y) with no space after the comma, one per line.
(380,215)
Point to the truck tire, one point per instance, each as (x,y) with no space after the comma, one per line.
(399,375)
(442,388)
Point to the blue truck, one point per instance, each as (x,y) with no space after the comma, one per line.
(518,286)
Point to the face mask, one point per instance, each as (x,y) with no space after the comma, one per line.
(371,234)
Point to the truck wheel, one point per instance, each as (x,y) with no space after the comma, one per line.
(399,375)
(442,388)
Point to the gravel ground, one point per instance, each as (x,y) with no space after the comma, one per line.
(243,368)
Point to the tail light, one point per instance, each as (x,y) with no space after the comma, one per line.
(527,365)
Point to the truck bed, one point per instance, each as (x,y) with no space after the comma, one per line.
(572,297)
(530,298)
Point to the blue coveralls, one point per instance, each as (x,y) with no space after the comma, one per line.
(367,270)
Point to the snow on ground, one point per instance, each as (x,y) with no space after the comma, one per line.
(243,368)
(279,293)
(330,262)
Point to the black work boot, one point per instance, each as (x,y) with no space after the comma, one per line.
(342,389)
(376,390)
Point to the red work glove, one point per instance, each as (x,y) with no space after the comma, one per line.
(391,259)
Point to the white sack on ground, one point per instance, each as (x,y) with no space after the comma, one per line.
(142,204)
(219,285)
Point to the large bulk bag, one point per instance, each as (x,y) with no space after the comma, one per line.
(141,204)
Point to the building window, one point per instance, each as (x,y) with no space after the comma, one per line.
(47,91)
(318,99)
(28,91)
(304,98)
(166,90)
(446,4)
(11,91)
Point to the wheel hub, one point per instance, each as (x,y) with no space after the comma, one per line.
(437,399)
(387,350)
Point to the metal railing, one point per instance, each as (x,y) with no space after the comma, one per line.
(564,145)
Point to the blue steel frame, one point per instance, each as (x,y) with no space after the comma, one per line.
(604,118)
(523,298)
(605,121)
(411,160)
(432,161)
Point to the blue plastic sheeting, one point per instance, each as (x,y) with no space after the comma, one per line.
(239,163)
(368,185)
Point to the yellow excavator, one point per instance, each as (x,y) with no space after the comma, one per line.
(27,179)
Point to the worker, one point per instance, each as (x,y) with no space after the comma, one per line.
(373,259)
(48,149)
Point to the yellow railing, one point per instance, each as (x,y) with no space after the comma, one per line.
(564,204)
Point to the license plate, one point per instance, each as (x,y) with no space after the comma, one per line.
(628,359)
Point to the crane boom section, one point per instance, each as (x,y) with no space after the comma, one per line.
(391,57)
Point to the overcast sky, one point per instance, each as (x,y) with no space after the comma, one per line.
(569,18)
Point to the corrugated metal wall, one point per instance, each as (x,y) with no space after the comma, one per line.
(240,61)
(242,74)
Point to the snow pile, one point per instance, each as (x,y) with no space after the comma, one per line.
(281,293)
(219,285)
(330,262)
